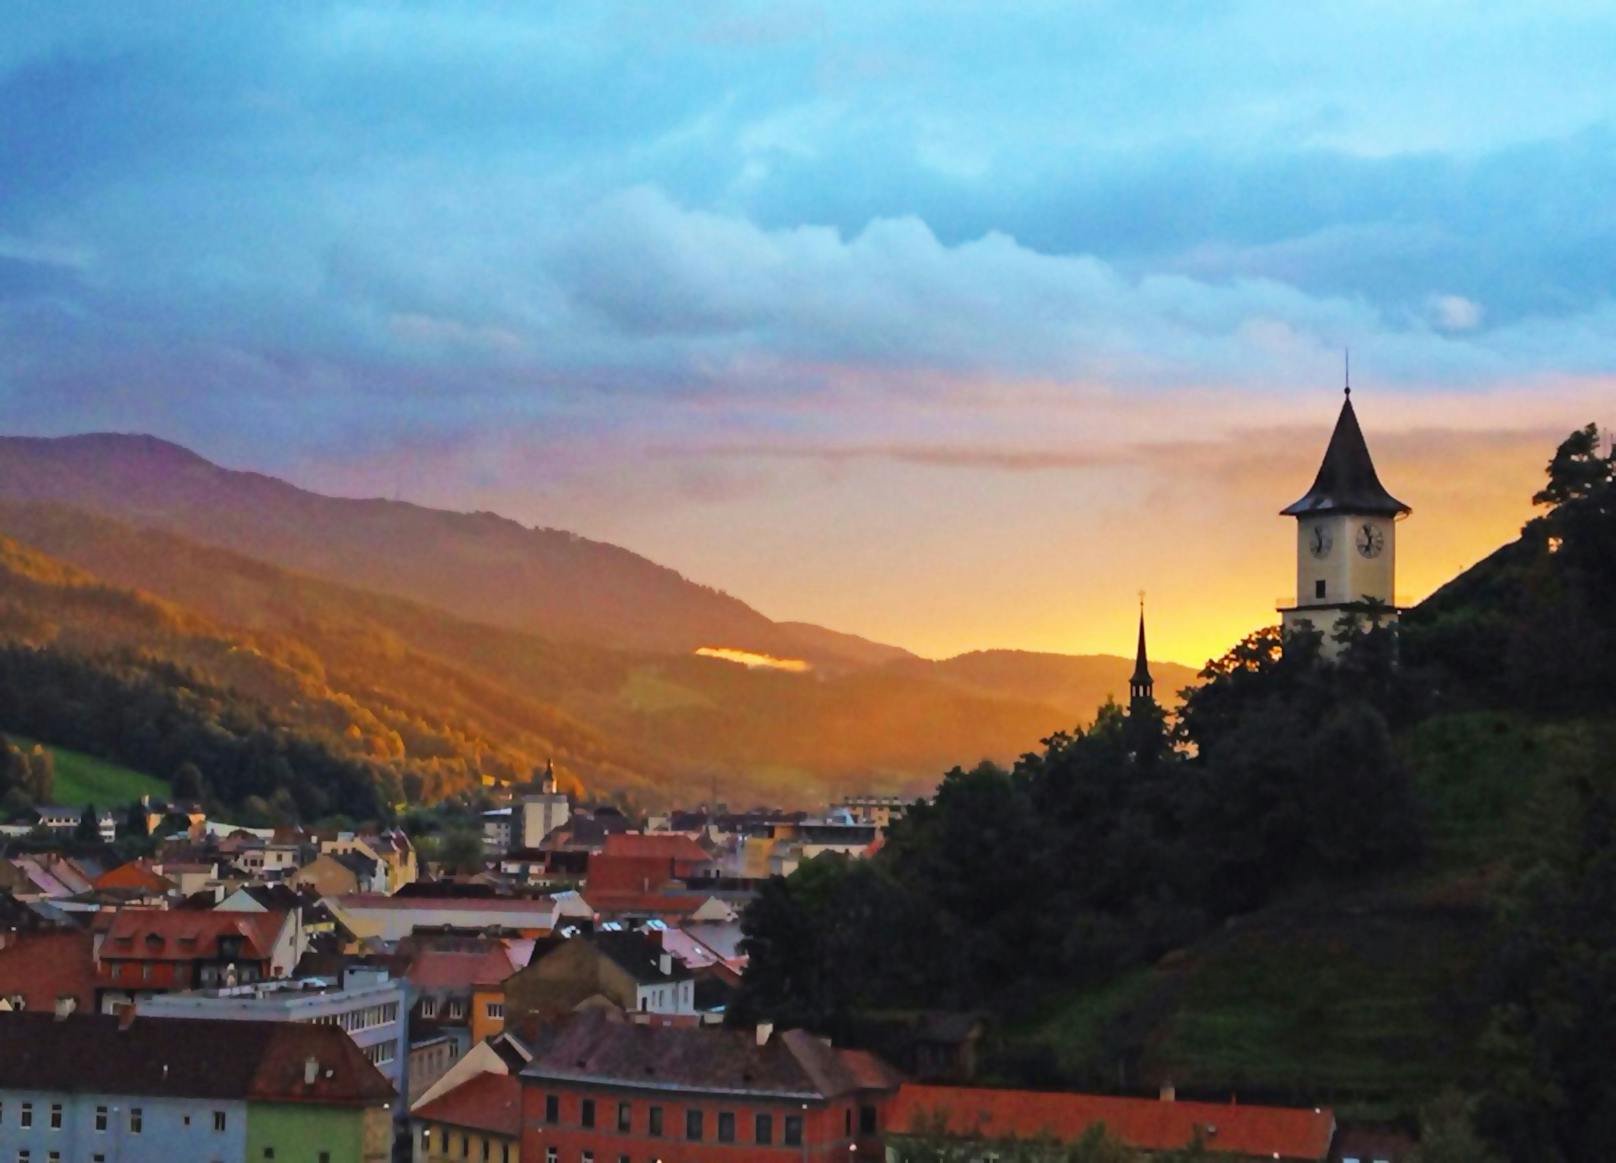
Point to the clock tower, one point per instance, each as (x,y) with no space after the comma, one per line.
(1346,535)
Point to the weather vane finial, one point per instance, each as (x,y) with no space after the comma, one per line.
(1141,601)
(1346,362)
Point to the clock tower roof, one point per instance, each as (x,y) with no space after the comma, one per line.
(1347,482)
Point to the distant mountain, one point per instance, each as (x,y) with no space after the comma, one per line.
(454,701)
(817,642)
(476,565)
(1075,684)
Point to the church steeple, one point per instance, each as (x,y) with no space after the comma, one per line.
(1347,481)
(1141,687)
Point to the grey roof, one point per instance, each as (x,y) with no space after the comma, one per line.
(1347,482)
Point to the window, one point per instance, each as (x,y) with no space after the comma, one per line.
(552,1108)
(693,1128)
(586,1114)
(54,1157)
(654,1123)
(866,1120)
(551,1155)
(625,1117)
(1318,588)
(763,1131)
(136,1121)
(23,1156)
(145,971)
(485,1150)
(495,1009)
(27,1119)
(793,1136)
(726,1126)
(457,1008)
(101,1118)
(847,1122)
(588,1157)
(218,1120)
(429,1007)
(56,1116)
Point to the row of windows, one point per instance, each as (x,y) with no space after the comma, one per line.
(137,1118)
(381,1052)
(362,1019)
(695,1122)
(447,1136)
(456,1008)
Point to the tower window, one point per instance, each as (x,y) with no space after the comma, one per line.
(1318,588)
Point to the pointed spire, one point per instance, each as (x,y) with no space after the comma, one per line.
(1347,482)
(1141,687)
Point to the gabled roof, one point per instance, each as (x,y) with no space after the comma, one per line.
(1140,1123)
(1347,482)
(186,934)
(600,1046)
(186,1058)
(136,874)
(484,1102)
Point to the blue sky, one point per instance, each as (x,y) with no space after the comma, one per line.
(879,290)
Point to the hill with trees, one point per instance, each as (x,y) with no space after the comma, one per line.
(446,703)
(1382,883)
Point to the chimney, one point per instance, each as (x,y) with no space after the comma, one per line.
(65,1005)
(126,1015)
(311,1070)
(1168,1092)
(764,1031)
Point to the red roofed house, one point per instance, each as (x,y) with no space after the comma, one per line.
(920,1113)
(479,1119)
(148,951)
(136,876)
(608,1087)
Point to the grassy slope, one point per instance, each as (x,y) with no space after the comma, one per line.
(1368,1002)
(84,779)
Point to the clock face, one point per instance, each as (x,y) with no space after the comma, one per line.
(1370,541)
(1319,542)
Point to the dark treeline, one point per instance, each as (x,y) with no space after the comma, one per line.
(1117,844)
(157,717)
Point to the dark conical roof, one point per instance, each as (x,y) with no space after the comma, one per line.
(1347,482)
(1141,666)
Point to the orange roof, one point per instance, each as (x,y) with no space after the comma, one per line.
(657,845)
(487,1102)
(628,873)
(136,874)
(1141,1123)
(185,935)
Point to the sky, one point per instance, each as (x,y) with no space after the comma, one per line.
(953,325)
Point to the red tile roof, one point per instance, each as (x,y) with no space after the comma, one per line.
(488,1102)
(457,969)
(628,873)
(658,845)
(136,874)
(44,966)
(185,935)
(651,904)
(1141,1123)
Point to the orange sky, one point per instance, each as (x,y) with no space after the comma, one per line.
(1026,515)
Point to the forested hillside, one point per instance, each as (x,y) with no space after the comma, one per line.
(1383,883)
(448,702)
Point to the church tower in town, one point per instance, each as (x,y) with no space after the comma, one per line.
(1141,687)
(1346,535)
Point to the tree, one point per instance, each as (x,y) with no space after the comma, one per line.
(88,829)
(136,823)
(188,783)
(1551,1093)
